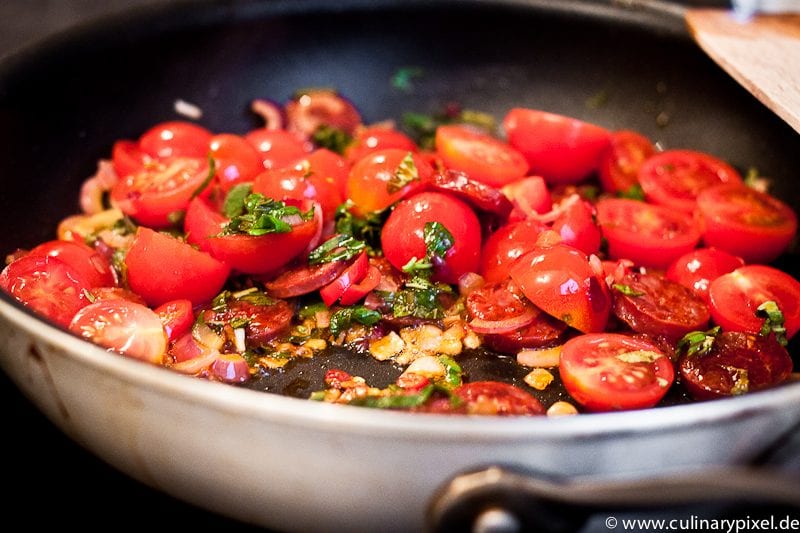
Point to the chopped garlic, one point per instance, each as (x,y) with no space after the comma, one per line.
(539,378)
(562,409)
(387,347)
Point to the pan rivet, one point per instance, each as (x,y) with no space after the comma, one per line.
(496,520)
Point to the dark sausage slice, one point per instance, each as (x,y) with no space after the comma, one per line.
(480,195)
(497,398)
(658,307)
(737,363)
(263,322)
(543,331)
(304,279)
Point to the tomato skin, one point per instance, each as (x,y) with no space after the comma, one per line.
(402,236)
(161,269)
(482,157)
(674,178)
(698,268)
(127,158)
(649,235)
(177,317)
(577,228)
(47,285)
(329,167)
(529,196)
(561,149)
(735,297)
(237,161)
(90,264)
(369,179)
(353,274)
(746,222)
(620,163)
(359,290)
(175,139)
(201,222)
(296,183)
(375,138)
(506,245)
(597,377)
(561,282)
(123,326)
(278,148)
(155,194)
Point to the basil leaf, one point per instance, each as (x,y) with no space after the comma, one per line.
(234,201)
(406,173)
(438,240)
(212,169)
(263,215)
(334,139)
(698,342)
(773,321)
(344,318)
(452,371)
(339,248)
(635,192)
(626,290)
(399,401)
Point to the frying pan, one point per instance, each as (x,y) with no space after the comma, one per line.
(291,464)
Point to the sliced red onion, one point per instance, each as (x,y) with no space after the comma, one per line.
(507,325)
(230,368)
(270,111)
(93,189)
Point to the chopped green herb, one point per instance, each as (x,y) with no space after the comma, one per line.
(339,248)
(366,229)
(317,396)
(406,173)
(698,342)
(399,401)
(452,371)
(423,127)
(773,321)
(344,318)
(212,169)
(402,79)
(251,295)
(334,139)
(626,290)
(234,200)
(311,310)
(635,192)
(415,265)
(438,240)
(263,215)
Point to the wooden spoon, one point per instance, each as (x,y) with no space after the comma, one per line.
(762,54)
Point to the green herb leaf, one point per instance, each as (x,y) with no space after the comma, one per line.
(212,169)
(698,342)
(452,371)
(634,193)
(399,401)
(773,321)
(626,290)
(263,215)
(234,200)
(366,229)
(438,240)
(344,318)
(402,78)
(423,127)
(415,266)
(311,310)
(406,173)
(334,139)
(338,248)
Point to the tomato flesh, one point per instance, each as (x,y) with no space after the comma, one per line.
(369,184)
(506,245)
(90,264)
(481,157)
(610,372)
(620,163)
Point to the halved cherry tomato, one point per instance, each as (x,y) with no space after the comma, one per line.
(370,184)
(562,283)
(746,222)
(237,161)
(402,237)
(352,274)
(90,264)
(278,148)
(115,293)
(175,139)
(48,285)
(330,167)
(161,268)
(297,183)
(160,192)
(620,163)
(609,372)
(530,196)
(577,227)
(736,296)
(314,108)
(506,245)
(357,291)
(127,158)
(559,148)
(649,235)
(674,178)
(177,317)
(123,326)
(480,156)
(698,268)
(374,138)
(201,222)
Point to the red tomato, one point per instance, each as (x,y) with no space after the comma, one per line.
(47,285)
(402,237)
(155,195)
(369,184)
(123,326)
(735,297)
(620,163)
(482,157)
(609,372)
(127,158)
(506,245)
(237,161)
(278,148)
(698,268)
(375,138)
(577,227)
(330,167)
(201,222)
(262,254)
(175,139)
(357,291)
(352,274)
(674,178)
(562,283)
(648,235)
(297,183)
(161,269)
(90,264)
(746,222)
(177,317)
(562,149)
(318,107)
(530,196)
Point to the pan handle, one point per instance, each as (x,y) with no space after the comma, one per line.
(499,499)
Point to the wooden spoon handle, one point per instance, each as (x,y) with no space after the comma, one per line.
(762,54)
